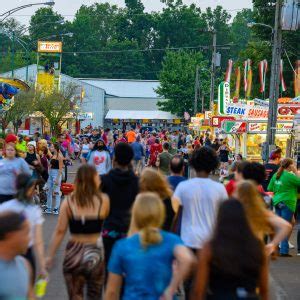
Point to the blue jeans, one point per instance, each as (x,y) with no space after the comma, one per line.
(53,189)
(284,212)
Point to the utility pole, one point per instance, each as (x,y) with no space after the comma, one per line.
(13,55)
(196,90)
(274,81)
(213,69)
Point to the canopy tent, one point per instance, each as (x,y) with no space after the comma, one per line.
(140,115)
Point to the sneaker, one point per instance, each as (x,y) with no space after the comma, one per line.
(47,210)
(298,254)
(285,255)
(291,246)
(55,211)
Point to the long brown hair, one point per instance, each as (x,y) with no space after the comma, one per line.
(153,181)
(286,163)
(256,212)
(148,215)
(85,187)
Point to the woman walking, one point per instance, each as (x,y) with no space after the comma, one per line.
(10,166)
(233,264)
(153,181)
(285,184)
(262,221)
(54,180)
(83,213)
(24,203)
(144,260)
(33,160)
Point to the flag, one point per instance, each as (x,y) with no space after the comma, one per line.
(247,78)
(237,82)
(228,70)
(297,79)
(282,82)
(262,69)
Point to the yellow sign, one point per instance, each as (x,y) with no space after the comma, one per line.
(145,121)
(51,47)
(177,121)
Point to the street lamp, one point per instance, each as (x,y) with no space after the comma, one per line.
(12,11)
(252,24)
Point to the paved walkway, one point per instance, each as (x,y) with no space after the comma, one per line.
(284,272)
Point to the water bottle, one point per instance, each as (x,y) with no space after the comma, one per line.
(41,287)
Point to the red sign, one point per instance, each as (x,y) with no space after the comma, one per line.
(217,121)
(288,110)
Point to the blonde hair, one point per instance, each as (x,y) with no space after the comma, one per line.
(256,211)
(148,215)
(153,181)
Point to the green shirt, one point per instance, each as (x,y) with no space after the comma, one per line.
(164,162)
(285,189)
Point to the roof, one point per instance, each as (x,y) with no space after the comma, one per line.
(126,87)
(139,115)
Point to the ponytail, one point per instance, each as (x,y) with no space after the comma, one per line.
(150,236)
(279,172)
(285,164)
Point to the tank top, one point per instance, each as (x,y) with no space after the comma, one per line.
(14,271)
(30,158)
(54,163)
(92,225)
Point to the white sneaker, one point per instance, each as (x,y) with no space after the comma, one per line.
(291,246)
(298,254)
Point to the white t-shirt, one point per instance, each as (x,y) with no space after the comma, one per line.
(32,212)
(101,160)
(200,198)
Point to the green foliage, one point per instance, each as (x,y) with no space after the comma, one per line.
(22,106)
(56,106)
(177,81)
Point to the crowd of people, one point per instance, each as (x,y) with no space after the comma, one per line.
(147,217)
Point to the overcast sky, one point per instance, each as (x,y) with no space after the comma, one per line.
(69,7)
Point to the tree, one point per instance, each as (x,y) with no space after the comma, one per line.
(45,23)
(177,81)
(22,106)
(240,32)
(57,106)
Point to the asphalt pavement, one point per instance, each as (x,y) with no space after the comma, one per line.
(284,272)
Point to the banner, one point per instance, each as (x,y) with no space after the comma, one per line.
(228,70)
(282,82)
(247,78)
(237,82)
(297,79)
(262,69)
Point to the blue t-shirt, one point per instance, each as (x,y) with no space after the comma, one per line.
(175,180)
(148,272)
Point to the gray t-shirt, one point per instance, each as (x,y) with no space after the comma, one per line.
(14,279)
(9,170)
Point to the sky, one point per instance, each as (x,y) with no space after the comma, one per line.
(69,7)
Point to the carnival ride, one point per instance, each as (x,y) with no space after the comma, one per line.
(9,87)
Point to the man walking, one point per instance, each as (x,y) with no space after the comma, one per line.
(177,171)
(122,186)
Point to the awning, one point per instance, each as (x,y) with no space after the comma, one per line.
(140,115)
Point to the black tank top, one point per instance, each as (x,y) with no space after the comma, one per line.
(30,158)
(85,225)
(54,163)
